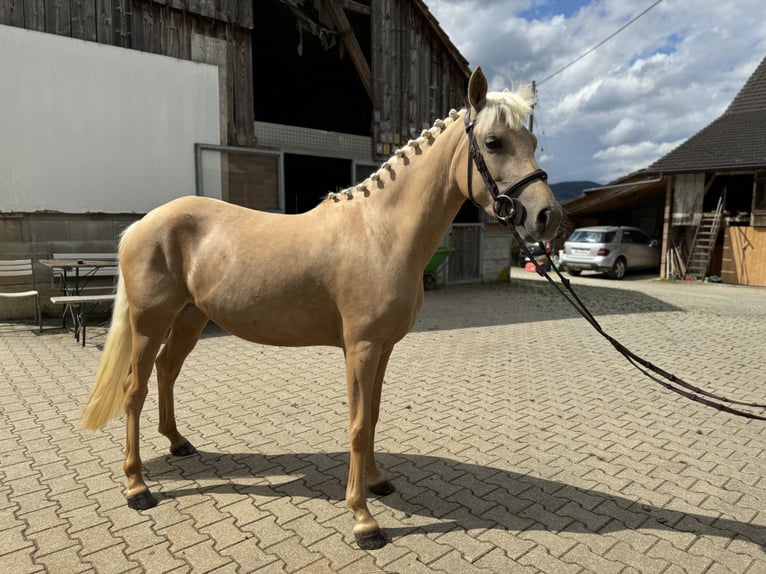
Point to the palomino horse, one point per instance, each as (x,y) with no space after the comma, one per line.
(356,282)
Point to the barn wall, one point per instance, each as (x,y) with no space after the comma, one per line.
(415,80)
(744,252)
(93,128)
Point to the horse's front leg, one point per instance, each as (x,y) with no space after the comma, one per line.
(376,478)
(362,360)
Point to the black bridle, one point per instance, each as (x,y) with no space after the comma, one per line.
(508,209)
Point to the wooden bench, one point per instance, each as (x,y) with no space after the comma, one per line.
(80,274)
(80,304)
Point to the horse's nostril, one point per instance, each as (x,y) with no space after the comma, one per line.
(544,217)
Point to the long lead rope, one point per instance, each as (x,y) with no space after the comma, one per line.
(510,211)
(650,370)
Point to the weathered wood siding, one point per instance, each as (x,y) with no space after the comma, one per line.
(116,22)
(465,264)
(165,27)
(744,251)
(415,80)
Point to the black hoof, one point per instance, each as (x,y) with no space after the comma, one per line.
(186,449)
(371,541)
(383,488)
(142,501)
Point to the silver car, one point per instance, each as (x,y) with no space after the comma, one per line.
(609,248)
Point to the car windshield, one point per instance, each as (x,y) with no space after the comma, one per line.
(587,236)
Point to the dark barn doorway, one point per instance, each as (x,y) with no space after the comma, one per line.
(303,77)
(308,179)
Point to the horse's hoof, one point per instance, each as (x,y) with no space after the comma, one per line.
(372,540)
(142,501)
(383,488)
(185,449)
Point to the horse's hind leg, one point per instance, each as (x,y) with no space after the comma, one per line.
(184,334)
(148,332)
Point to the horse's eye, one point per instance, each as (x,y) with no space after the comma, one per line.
(493,143)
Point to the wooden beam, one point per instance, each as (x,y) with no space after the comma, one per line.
(356,7)
(346,34)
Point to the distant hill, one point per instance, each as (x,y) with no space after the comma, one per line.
(566,190)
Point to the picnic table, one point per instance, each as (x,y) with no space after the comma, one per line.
(75,302)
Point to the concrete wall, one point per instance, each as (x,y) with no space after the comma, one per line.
(38,235)
(496,258)
(86,127)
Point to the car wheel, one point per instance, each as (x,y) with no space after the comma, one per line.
(619,269)
(574,272)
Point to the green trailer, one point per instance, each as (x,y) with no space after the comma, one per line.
(438,260)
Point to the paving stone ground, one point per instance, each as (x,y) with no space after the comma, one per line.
(518,440)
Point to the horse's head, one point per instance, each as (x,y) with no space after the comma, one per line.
(503,177)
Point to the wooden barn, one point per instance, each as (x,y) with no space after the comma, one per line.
(704,201)
(117,106)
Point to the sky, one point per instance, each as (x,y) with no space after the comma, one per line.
(632,100)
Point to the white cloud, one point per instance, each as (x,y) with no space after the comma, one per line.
(626,129)
(622,159)
(636,97)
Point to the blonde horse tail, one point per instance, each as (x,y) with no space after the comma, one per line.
(106,400)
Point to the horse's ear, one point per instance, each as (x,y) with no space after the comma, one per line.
(477,89)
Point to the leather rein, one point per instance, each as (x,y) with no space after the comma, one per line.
(510,212)
(650,370)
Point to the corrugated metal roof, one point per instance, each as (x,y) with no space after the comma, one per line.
(735,141)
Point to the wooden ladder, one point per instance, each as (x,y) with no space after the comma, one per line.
(704,242)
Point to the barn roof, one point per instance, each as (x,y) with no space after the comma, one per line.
(734,141)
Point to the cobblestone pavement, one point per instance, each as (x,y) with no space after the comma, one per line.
(517,438)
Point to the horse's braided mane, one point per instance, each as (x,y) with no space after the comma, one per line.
(504,107)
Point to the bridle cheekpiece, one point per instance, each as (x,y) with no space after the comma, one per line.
(508,209)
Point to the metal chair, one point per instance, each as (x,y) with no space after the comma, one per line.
(21,274)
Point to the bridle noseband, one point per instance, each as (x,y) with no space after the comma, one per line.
(508,209)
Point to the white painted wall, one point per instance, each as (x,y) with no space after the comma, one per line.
(91,128)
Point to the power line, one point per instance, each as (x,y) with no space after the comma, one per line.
(601,43)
